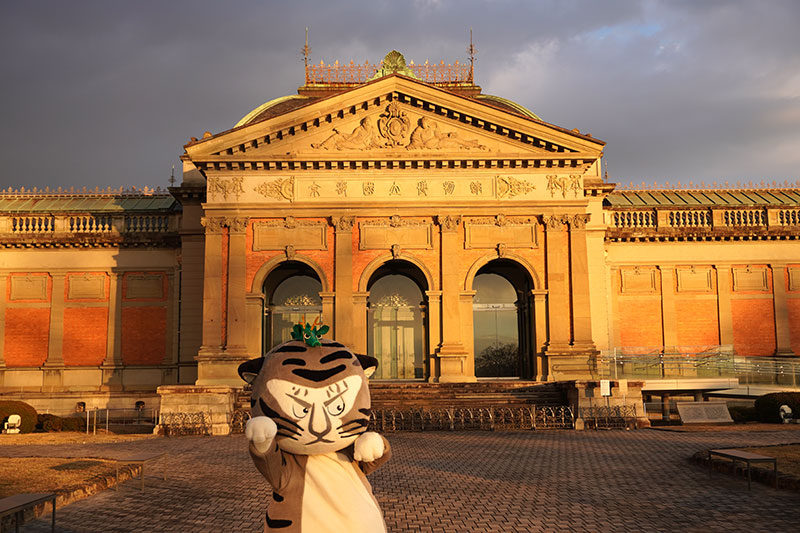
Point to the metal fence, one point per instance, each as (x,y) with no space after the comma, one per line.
(130,420)
(609,417)
(192,423)
(472,418)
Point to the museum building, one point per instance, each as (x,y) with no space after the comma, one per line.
(452,234)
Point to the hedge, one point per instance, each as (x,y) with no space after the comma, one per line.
(768,406)
(48,422)
(25,411)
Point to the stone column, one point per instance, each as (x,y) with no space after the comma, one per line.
(581,300)
(211,349)
(782,334)
(360,321)
(3,288)
(54,365)
(669,316)
(539,327)
(557,251)
(434,330)
(452,357)
(328,307)
(236,345)
(343,285)
(112,365)
(254,309)
(724,287)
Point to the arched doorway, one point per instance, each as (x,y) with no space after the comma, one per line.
(502,320)
(396,321)
(291,296)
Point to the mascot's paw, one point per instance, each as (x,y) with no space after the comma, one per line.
(368,447)
(261,430)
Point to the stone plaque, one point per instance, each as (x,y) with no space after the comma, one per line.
(694,279)
(512,233)
(638,280)
(277,235)
(28,288)
(750,279)
(794,279)
(704,413)
(378,235)
(144,286)
(81,287)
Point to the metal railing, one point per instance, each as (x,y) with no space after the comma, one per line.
(686,362)
(118,419)
(472,418)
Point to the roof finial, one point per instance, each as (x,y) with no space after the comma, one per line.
(172,177)
(471,51)
(306,52)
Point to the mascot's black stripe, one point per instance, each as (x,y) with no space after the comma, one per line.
(277,497)
(290,348)
(341,354)
(293,361)
(318,375)
(277,524)
(266,411)
(365,411)
(332,345)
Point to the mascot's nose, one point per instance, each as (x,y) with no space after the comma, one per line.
(320,424)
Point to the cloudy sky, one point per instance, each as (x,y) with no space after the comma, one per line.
(106,93)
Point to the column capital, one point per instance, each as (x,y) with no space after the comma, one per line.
(578,222)
(449,223)
(237,224)
(343,223)
(555,222)
(213,224)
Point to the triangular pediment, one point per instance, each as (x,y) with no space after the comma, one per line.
(395,117)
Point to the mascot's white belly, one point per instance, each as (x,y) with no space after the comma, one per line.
(337,498)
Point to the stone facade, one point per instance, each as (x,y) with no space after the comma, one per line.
(349,184)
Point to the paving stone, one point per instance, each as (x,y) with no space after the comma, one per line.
(454,482)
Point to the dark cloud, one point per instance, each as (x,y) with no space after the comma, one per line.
(107,93)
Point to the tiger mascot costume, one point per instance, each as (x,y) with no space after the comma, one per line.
(308,435)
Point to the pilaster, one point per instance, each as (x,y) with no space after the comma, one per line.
(581,296)
(112,365)
(782,332)
(557,252)
(54,365)
(451,364)
(724,286)
(434,299)
(210,351)
(359,319)
(669,317)
(343,320)
(236,345)
(3,293)
(539,327)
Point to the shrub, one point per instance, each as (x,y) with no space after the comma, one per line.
(25,411)
(768,406)
(48,423)
(741,413)
(72,423)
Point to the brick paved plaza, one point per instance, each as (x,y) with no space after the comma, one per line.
(478,481)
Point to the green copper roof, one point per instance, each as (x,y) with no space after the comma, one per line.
(79,203)
(699,198)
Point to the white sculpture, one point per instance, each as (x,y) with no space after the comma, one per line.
(12,424)
(786,415)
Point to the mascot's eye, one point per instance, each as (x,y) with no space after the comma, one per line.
(336,407)
(299,411)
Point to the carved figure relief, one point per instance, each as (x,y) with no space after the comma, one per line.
(225,187)
(427,135)
(361,138)
(564,184)
(508,186)
(393,125)
(280,189)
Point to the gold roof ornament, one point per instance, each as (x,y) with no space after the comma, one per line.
(394,62)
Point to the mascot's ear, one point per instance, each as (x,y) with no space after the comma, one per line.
(368,363)
(250,369)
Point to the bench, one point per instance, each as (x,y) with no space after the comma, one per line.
(19,503)
(141,460)
(746,457)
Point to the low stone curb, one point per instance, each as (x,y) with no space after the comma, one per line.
(757,473)
(74,493)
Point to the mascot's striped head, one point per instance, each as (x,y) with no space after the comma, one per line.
(314,390)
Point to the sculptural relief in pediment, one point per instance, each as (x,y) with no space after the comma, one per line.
(395,129)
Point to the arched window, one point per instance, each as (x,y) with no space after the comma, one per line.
(501,321)
(396,333)
(292,297)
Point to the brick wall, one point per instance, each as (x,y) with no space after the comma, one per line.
(27,336)
(640,322)
(144,335)
(753,326)
(697,322)
(85,336)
